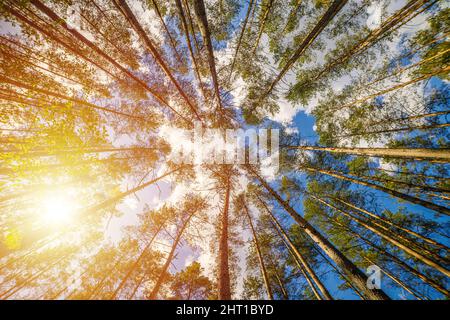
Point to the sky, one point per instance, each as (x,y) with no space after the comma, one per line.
(295,118)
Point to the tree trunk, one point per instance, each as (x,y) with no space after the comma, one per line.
(420,116)
(391,240)
(282,287)
(188,42)
(224,272)
(386,221)
(260,257)
(114,199)
(261,27)
(327,17)
(165,268)
(76,100)
(427,127)
(409,153)
(135,264)
(200,12)
(394,193)
(354,274)
(241,35)
(396,87)
(407,267)
(394,22)
(299,256)
(128,14)
(172,42)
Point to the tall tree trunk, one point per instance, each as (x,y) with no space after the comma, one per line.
(292,14)
(340,273)
(153,295)
(200,12)
(443,70)
(128,14)
(399,18)
(282,287)
(388,222)
(262,24)
(420,116)
(391,240)
(327,17)
(406,266)
(409,185)
(121,195)
(394,193)
(260,257)
(172,42)
(58,95)
(299,256)
(354,274)
(409,153)
(241,35)
(136,263)
(188,42)
(425,127)
(224,272)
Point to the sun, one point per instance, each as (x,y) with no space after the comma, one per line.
(57,209)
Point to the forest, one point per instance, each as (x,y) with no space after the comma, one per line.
(351,202)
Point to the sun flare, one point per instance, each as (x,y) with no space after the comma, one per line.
(57,209)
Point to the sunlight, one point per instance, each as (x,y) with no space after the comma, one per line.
(57,209)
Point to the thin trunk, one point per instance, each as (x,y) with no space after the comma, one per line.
(188,41)
(172,42)
(388,238)
(52,36)
(388,222)
(439,71)
(402,16)
(420,116)
(99,285)
(17,287)
(260,257)
(42,153)
(282,287)
(129,16)
(36,66)
(153,295)
(76,100)
(354,274)
(294,257)
(200,12)
(401,70)
(262,24)
(409,153)
(408,185)
(423,127)
(96,49)
(113,200)
(191,25)
(224,273)
(327,17)
(392,192)
(135,265)
(300,257)
(339,273)
(241,35)
(292,14)
(406,266)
